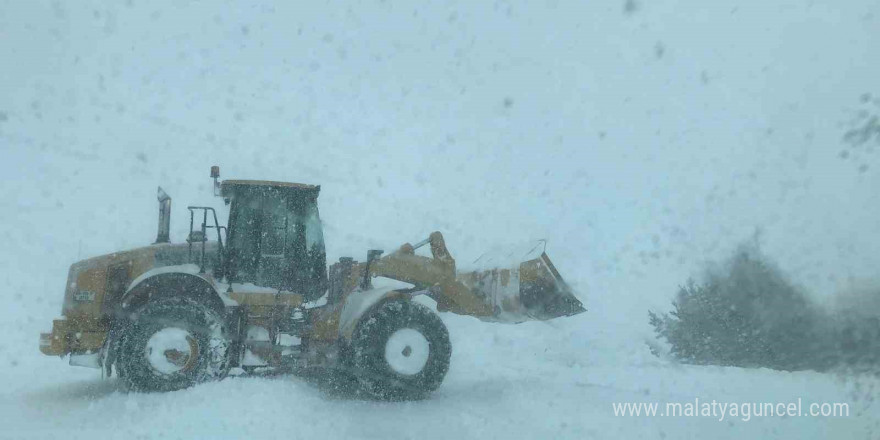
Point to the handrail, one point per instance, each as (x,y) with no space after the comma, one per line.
(205,227)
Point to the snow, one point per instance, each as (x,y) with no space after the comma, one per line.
(640,139)
(89,360)
(356,305)
(247,287)
(251,360)
(505,257)
(171,338)
(535,380)
(191,269)
(407,351)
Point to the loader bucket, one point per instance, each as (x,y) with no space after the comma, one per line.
(530,291)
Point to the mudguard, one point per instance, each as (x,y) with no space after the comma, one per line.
(181,279)
(359,303)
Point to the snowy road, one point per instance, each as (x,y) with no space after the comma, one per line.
(505,382)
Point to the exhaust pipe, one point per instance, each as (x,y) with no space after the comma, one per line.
(164,217)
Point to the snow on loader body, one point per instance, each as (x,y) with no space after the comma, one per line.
(167,316)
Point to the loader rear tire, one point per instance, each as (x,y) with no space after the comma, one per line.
(171,344)
(400,351)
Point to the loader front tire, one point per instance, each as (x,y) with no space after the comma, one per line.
(171,344)
(400,351)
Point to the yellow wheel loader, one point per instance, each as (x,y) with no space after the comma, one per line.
(257,294)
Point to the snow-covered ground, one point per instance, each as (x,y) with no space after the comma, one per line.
(539,380)
(641,139)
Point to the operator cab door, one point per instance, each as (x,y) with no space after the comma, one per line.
(276,241)
(274,267)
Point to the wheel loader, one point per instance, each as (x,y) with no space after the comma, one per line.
(256,294)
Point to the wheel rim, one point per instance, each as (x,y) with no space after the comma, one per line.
(407,351)
(172,350)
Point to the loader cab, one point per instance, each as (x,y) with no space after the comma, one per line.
(275,238)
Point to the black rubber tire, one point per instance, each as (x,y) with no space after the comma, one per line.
(367,351)
(203,323)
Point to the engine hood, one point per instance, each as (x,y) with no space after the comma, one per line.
(94,285)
